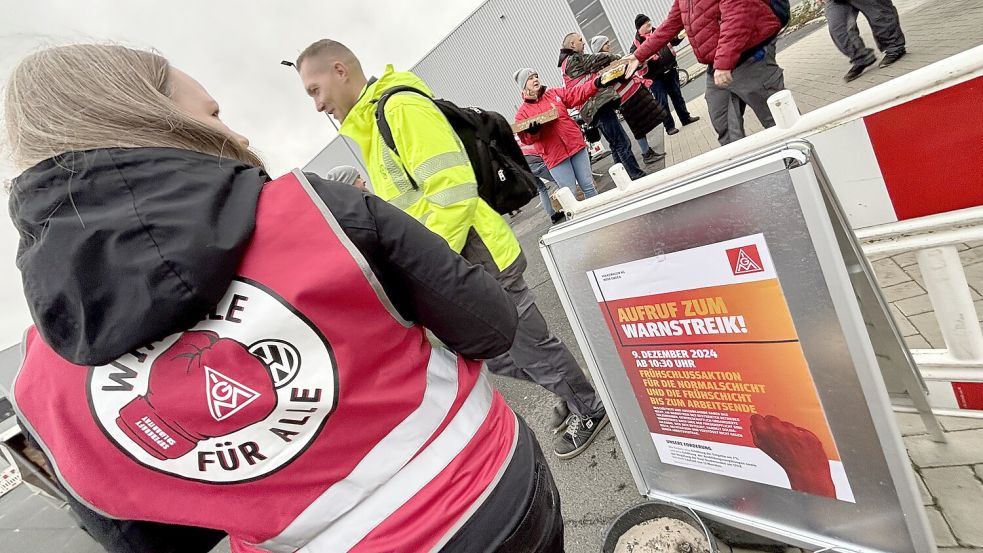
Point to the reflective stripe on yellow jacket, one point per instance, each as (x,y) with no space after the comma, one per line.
(446,200)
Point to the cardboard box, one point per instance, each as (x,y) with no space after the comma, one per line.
(544,117)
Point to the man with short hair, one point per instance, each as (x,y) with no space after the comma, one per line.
(431,178)
(736,40)
(600,111)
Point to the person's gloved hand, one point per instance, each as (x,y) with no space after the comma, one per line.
(600,84)
(534,128)
(798,451)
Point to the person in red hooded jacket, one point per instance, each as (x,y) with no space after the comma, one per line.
(736,39)
(561,143)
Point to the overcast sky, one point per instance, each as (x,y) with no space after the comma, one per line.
(234,49)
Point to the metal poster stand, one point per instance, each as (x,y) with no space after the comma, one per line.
(788,245)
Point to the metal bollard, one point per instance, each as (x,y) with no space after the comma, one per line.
(566,198)
(620,176)
(783,109)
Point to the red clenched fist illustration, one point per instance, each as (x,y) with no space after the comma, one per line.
(201,387)
(798,451)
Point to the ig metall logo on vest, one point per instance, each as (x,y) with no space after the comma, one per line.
(233,399)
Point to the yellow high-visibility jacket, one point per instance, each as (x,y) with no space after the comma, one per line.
(446,200)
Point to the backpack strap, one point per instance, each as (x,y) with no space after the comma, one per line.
(380,114)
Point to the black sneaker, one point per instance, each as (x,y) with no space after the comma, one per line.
(891,58)
(652,157)
(672,131)
(858,69)
(558,217)
(579,435)
(560,419)
(690,121)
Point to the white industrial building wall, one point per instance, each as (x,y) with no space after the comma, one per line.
(340,151)
(622,14)
(474,65)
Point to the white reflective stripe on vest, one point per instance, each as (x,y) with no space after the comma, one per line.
(386,478)
(438,163)
(627,89)
(406,200)
(346,533)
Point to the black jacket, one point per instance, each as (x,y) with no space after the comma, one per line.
(121,247)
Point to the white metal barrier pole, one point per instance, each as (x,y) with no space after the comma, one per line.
(948,291)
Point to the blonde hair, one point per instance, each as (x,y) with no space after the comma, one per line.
(88,96)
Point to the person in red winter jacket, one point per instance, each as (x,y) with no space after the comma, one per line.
(736,39)
(560,141)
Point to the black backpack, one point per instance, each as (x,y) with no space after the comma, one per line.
(782,9)
(505,181)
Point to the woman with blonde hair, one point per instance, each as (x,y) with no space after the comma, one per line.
(215,352)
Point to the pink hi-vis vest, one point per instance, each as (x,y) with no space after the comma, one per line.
(625,89)
(302,414)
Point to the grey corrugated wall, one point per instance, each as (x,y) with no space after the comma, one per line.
(334,154)
(473,66)
(622,14)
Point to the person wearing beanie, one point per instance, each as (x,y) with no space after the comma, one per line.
(559,142)
(346,174)
(661,70)
(561,145)
(598,43)
(736,40)
(599,112)
(641,112)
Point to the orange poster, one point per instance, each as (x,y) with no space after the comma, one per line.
(709,346)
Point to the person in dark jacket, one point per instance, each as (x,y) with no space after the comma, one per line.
(640,109)
(601,111)
(661,70)
(736,39)
(162,216)
(841,17)
(543,176)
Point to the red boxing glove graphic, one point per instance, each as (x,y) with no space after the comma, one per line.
(201,387)
(798,451)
